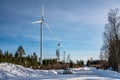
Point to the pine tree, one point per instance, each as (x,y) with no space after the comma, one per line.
(71,64)
(10,56)
(20,52)
(34,60)
(1,55)
(6,54)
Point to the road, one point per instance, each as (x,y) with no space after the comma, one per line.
(79,75)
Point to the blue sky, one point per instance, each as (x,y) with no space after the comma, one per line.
(77,24)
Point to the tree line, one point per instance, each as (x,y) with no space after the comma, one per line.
(110,50)
(19,58)
(99,64)
(32,61)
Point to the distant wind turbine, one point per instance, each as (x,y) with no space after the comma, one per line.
(59,44)
(42,21)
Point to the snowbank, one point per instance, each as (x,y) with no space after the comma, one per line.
(108,73)
(15,69)
(8,70)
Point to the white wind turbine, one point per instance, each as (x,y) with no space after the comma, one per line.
(42,21)
(59,44)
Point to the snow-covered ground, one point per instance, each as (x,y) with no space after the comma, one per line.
(15,72)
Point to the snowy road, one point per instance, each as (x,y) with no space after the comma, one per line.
(15,72)
(81,75)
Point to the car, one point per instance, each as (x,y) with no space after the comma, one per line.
(67,71)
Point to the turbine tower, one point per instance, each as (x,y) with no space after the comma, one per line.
(64,57)
(42,21)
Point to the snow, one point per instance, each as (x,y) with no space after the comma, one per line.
(112,74)
(10,71)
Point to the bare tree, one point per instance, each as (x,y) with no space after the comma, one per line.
(112,39)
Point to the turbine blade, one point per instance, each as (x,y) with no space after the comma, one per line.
(40,21)
(42,10)
(59,41)
(48,27)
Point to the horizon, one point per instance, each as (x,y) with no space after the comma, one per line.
(78,25)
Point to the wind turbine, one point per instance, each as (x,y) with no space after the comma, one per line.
(42,21)
(58,50)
